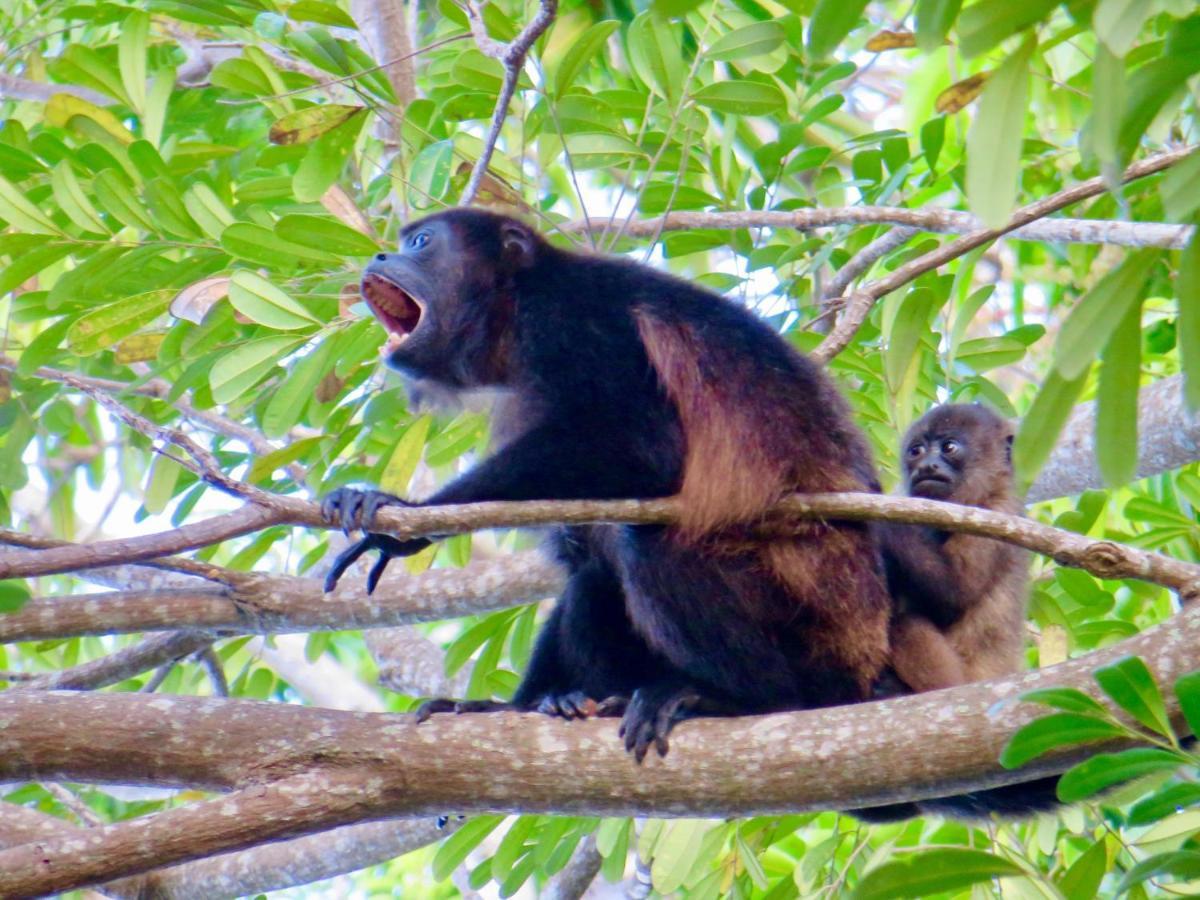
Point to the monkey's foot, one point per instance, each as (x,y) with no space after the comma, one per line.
(352,509)
(651,714)
(389,548)
(449,705)
(572,705)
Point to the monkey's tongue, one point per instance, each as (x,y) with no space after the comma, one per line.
(395,309)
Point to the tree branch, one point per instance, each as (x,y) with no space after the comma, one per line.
(862,261)
(1168,438)
(939,221)
(282,603)
(512,55)
(297,770)
(856,314)
(116,667)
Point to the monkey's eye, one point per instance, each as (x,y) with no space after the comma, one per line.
(950,448)
(418,240)
(914,451)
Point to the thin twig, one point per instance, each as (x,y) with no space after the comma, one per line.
(512,55)
(862,261)
(151,653)
(216,674)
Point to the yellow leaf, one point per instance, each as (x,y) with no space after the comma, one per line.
(959,94)
(891,40)
(403,462)
(305,125)
(139,348)
(339,204)
(61,108)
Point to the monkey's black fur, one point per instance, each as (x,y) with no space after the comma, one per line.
(632,383)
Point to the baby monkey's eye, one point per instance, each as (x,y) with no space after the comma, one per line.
(950,447)
(914,450)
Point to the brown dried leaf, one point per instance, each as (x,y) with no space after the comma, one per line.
(5,385)
(198,298)
(1053,646)
(329,388)
(496,193)
(308,124)
(339,204)
(139,348)
(959,94)
(891,40)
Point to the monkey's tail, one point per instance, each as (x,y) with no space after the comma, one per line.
(1011,801)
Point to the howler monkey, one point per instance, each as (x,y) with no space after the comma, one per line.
(960,598)
(628,382)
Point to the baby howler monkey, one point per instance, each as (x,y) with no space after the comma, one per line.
(960,598)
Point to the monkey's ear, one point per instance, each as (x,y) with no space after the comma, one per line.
(518,245)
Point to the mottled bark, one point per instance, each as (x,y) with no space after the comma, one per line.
(1168,438)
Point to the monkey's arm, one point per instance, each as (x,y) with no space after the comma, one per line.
(922,657)
(561,460)
(940,574)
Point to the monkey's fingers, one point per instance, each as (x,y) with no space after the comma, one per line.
(373,501)
(449,705)
(389,548)
(573,705)
(612,706)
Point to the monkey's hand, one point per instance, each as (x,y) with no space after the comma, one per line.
(354,509)
(448,705)
(651,714)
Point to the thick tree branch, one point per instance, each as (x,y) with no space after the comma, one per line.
(512,55)
(845,329)
(283,603)
(17,88)
(1168,438)
(269,867)
(297,770)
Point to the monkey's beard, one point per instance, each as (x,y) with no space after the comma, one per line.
(397,311)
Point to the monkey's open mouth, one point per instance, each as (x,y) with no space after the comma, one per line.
(397,310)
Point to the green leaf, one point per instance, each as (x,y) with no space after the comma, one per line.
(583,48)
(1117,401)
(16,209)
(25,265)
(1180,188)
(655,55)
(13,595)
(676,853)
(306,125)
(904,336)
(430,176)
(932,872)
(985,24)
(207,210)
(1182,864)
(1084,877)
(512,846)
(320,13)
(131,57)
(750,861)
(240,75)
(995,139)
(456,847)
(596,150)
(755,39)
(322,233)
(1170,800)
(617,851)
(1042,423)
(473,70)
(831,21)
(118,200)
(325,159)
(1067,699)
(288,402)
(261,245)
(747,98)
(407,453)
(1056,730)
(1149,87)
(1187,286)
(934,21)
(1108,81)
(262,302)
(1106,769)
(70,196)
(1132,687)
(1119,22)
(246,364)
(1187,689)
(160,486)
(1097,314)
(103,327)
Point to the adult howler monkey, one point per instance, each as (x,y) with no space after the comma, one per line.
(628,382)
(960,598)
